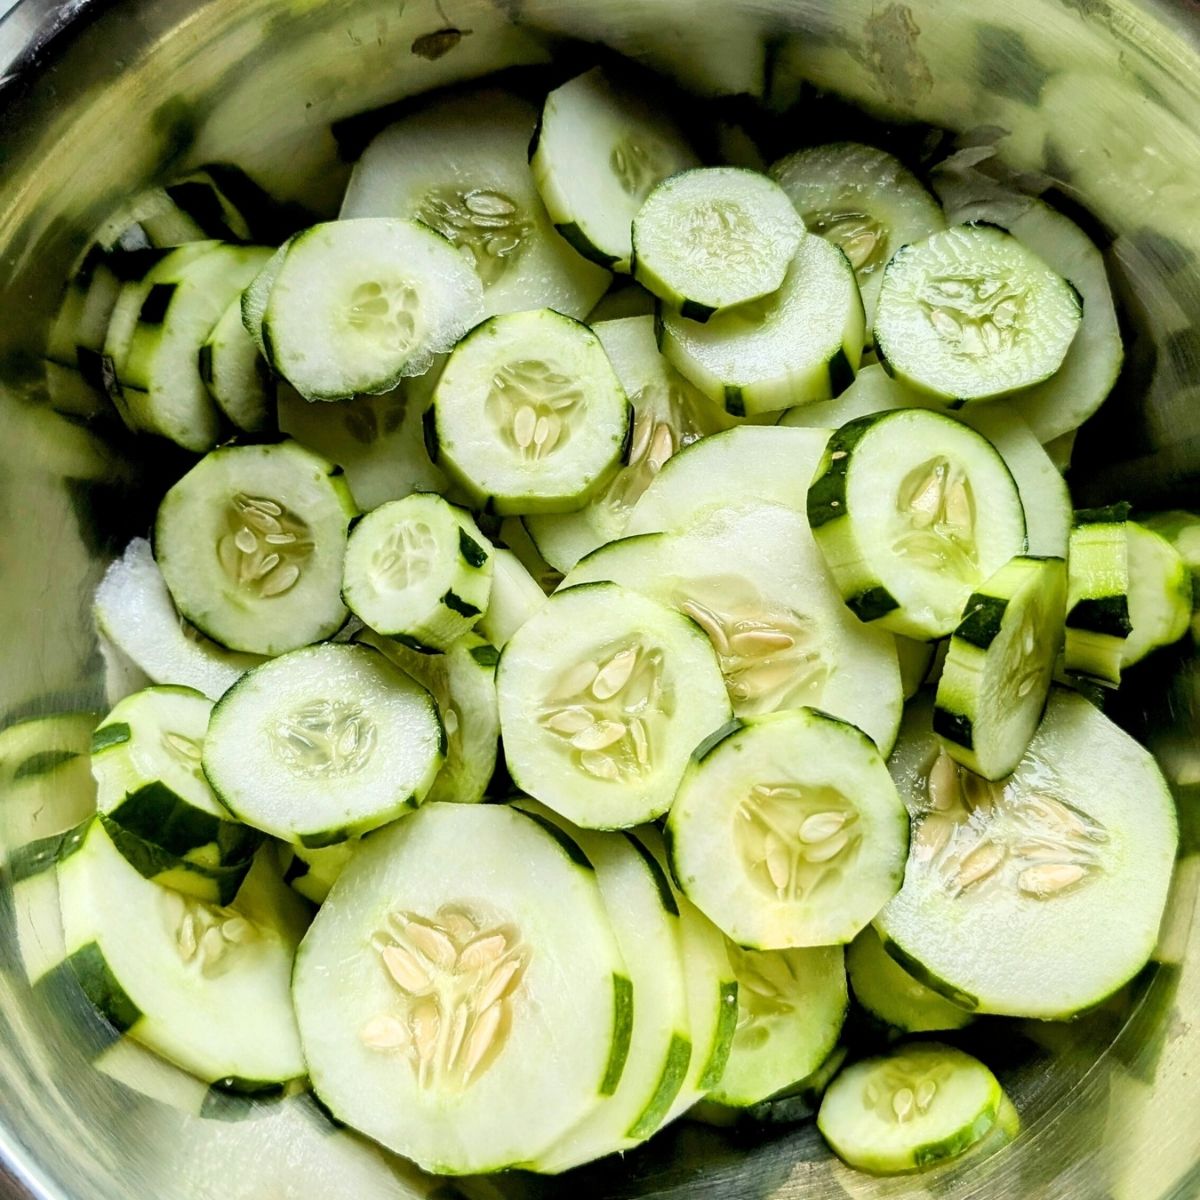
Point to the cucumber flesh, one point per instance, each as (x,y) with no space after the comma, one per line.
(516,598)
(1098,588)
(1160,594)
(236,374)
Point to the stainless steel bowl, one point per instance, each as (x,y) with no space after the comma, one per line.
(1100,98)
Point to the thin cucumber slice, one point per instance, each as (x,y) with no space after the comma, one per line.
(236,374)
(1160,594)
(714,237)
(312,873)
(603,695)
(358,305)
(787,831)
(251,541)
(891,995)
(323,744)
(862,200)
(997,672)
(436,984)
(255,296)
(462,682)
(754,581)
(418,570)
(645,918)
(1034,867)
(516,598)
(461,166)
(791,1006)
(134,610)
(972,314)
(798,1103)
(1182,530)
(600,148)
(800,344)
(529,415)
(668,414)
(905,1111)
(1098,586)
(912,510)
(36,912)
(146,761)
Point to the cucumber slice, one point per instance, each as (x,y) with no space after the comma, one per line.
(622,301)
(997,672)
(1182,530)
(1032,867)
(462,683)
(912,510)
(236,374)
(529,415)
(461,167)
(599,149)
(205,987)
(514,536)
(312,873)
(146,760)
(714,237)
(1061,449)
(251,541)
(358,305)
(323,744)
(971,314)
(36,912)
(603,694)
(916,659)
(791,1006)
(753,580)
(516,598)
(257,293)
(1160,594)
(668,414)
(862,200)
(435,987)
(891,995)
(418,570)
(787,831)
(797,1103)
(134,610)
(905,1111)
(800,344)
(1098,585)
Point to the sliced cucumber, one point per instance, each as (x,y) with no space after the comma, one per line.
(802,343)
(514,535)
(516,598)
(787,831)
(603,695)
(313,873)
(1182,530)
(708,239)
(905,1111)
(1035,868)
(36,913)
(236,374)
(599,149)
(622,301)
(250,542)
(753,580)
(791,1006)
(1098,585)
(461,167)
(862,200)
(798,1103)
(1160,594)
(205,987)
(255,296)
(1061,449)
(323,744)
(997,671)
(916,659)
(912,510)
(358,305)
(891,995)
(971,314)
(448,1011)
(418,570)
(134,610)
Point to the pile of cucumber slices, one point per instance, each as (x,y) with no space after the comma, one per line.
(549,704)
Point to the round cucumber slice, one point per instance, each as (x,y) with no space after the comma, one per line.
(907,1110)
(1160,594)
(787,831)
(446,1009)
(603,696)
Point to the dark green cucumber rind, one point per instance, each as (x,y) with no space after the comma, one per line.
(919,972)
(714,739)
(485,655)
(204,364)
(198,199)
(569,845)
(665,893)
(456,603)
(982,619)
(158,301)
(414,643)
(110,735)
(954,727)
(694,311)
(101,987)
(871,604)
(627,440)
(673,1077)
(1106,615)
(827,493)
(334,837)
(36,857)
(42,763)
(159,816)
(958,1142)
(472,553)
(579,241)
(235,1085)
(841,372)
(58,994)
(1112,514)
(152,862)
(735,403)
(429,432)
(714,1068)
(622,1033)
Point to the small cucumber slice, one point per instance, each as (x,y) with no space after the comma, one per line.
(599,149)
(714,237)
(997,671)
(1182,530)
(358,305)
(418,570)
(516,597)
(255,296)
(1160,594)
(603,695)
(323,744)
(912,510)
(971,314)
(448,1011)
(1098,585)
(529,415)
(800,344)
(787,831)
(905,1111)
(236,374)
